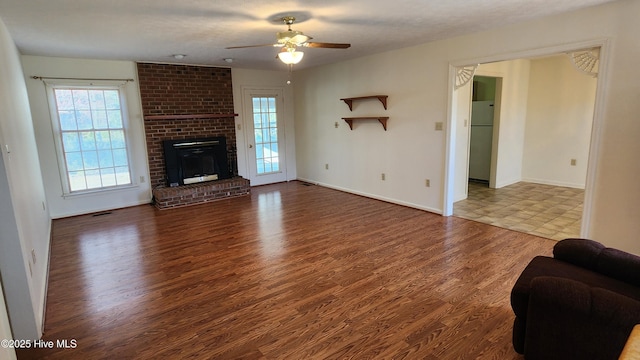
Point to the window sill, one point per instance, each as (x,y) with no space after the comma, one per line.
(93,192)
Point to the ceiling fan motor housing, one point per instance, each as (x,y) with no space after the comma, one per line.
(292,36)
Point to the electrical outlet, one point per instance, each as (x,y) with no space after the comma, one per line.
(427,183)
(439,126)
(573,162)
(142,179)
(383,176)
(326,166)
(336,125)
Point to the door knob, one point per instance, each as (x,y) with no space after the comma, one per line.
(250,146)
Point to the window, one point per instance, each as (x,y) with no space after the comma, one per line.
(90,133)
(265,126)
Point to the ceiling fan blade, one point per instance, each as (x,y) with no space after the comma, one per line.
(251,46)
(326,45)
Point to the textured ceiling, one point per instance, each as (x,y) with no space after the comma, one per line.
(153,30)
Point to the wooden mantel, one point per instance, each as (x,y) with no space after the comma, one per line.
(188,116)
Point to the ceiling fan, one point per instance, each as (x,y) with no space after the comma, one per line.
(290,40)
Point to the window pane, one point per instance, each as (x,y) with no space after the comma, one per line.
(117,139)
(76,181)
(115,119)
(80,99)
(122,176)
(256,105)
(99,119)
(64,99)
(108,177)
(74,161)
(70,141)
(111,99)
(272,104)
(265,135)
(84,120)
(120,157)
(259,151)
(67,120)
(96,99)
(93,179)
(105,157)
(90,160)
(103,140)
(87,140)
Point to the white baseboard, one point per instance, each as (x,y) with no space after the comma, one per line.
(555,183)
(374,196)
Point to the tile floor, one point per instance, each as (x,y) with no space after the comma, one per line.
(548,211)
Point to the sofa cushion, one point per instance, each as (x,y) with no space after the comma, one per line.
(570,320)
(546,266)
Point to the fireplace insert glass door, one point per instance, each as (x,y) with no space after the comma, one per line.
(266,145)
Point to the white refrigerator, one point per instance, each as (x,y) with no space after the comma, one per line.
(481,139)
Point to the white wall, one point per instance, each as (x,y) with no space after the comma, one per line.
(559,119)
(62,206)
(5,329)
(25,222)
(409,152)
(417,82)
(246,78)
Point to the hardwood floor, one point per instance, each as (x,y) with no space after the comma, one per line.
(291,272)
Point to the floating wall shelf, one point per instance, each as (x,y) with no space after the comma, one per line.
(381,119)
(382,98)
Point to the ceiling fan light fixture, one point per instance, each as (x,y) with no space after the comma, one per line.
(290,56)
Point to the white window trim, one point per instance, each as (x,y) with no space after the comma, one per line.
(50,86)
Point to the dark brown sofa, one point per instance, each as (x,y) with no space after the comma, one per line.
(580,304)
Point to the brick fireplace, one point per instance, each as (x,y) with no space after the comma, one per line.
(182,102)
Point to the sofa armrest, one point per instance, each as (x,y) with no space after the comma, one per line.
(620,265)
(594,256)
(580,252)
(567,319)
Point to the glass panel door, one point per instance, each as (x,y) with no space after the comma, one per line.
(264,136)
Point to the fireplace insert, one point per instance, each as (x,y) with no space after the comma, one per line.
(195,160)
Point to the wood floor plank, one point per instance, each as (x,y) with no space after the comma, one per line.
(290,272)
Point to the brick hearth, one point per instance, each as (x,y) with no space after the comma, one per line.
(172,197)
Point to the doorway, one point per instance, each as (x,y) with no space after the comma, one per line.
(526,130)
(265,140)
(483,98)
